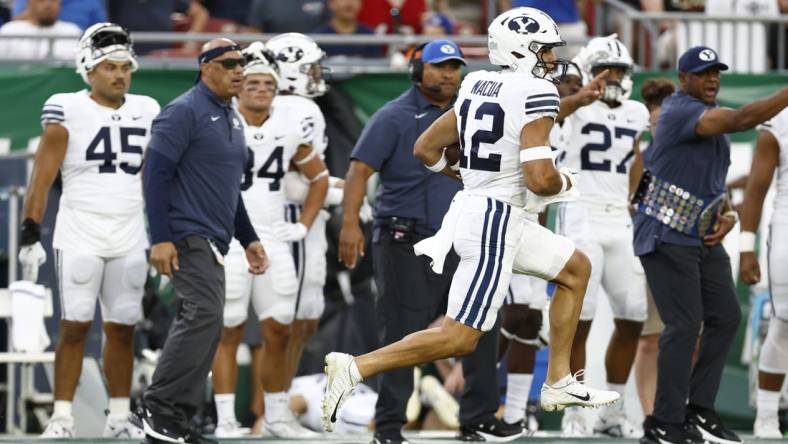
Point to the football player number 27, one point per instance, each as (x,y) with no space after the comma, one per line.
(100,148)
(605,165)
(473,159)
(273,168)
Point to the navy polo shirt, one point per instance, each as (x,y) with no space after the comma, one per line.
(407,188)
(679,156)
(203,136)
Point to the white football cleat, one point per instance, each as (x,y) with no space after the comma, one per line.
(288,429)
(616,425)
(59,427)
(339,387)
(767,428)
(231,429)
(573,424)
(569,392)
(121,427)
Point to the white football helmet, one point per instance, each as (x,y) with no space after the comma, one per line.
(259,60)
(299,57)
(607,52)
(104,41)
(515,38)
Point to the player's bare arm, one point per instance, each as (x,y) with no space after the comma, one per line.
(540,174)
(716,121)
(429,146)
(587,95)
(636,172)
(49,156)
(312,167)
(764,163)
(351,238)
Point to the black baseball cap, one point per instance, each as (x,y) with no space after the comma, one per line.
(700,58)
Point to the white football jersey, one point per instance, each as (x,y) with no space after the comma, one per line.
(271,148)
(307,114)
(492,107)
(778,126)
(101,207)
(600,145)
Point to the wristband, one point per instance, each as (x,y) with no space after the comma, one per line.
(746,242)
(440,165)
(31,232)
(535,153)
(319,176)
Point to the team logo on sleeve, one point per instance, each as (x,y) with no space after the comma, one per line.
(524,25)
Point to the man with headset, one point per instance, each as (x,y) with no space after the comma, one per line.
(410,206)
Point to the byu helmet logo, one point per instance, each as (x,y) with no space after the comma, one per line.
(707,55)
(524,25)
(291,54)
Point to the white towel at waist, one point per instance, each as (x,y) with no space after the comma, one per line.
(439,245)
(27,313)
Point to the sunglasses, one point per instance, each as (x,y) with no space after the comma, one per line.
(230,63)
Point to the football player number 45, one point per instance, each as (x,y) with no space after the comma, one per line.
(100,149)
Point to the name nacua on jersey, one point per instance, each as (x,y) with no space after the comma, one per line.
(492,108)
(271,148)
(600,144)
(105,149)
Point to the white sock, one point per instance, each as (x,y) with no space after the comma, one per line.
(561,383)
(355,374)
(62,409)
(517,387)
(767,403)
(616,407)
(276,405)
(225,407)
(119,407)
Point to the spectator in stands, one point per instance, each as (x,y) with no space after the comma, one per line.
(565,13)
(278,16)
(155,16)
(83,13)
(393,16)
(438,24)
(42,22)
(344,20)
(235,10)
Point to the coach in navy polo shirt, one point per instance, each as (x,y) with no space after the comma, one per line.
(690,275)
(192,181)
(411,202)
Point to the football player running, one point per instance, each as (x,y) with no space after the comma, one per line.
(771,154)
(95,139)
(274,143)
(603,144)
(502,121)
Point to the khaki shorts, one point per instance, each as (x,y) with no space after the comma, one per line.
(653,324)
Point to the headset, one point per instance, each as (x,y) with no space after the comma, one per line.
(416,65)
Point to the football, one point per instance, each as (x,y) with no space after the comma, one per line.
(452,154)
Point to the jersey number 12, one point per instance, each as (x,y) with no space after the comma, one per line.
(471,159)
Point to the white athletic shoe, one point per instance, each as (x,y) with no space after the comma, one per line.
(616,425)
(413,408)
(231,429)
(339,387)
(59,427)
(121,427)
(288,428)
(442,402)
(570,392)
(573,425)
(767,428)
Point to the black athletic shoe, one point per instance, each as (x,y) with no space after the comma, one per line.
(659,432)
(710,426)
(389,438)
(495,431)
(161,430)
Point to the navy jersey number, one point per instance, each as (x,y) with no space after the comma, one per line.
(473,160)
(100,148)
(273,168)
(585,153)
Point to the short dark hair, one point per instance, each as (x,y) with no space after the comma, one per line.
(655,89)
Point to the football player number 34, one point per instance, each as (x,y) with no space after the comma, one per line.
(101,149)
(475,158)
(273,168)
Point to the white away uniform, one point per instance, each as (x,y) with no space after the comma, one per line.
(273,294)
(100,236)
(487,222)
(309,253)
(600,147)
(778,228)
(528,290)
